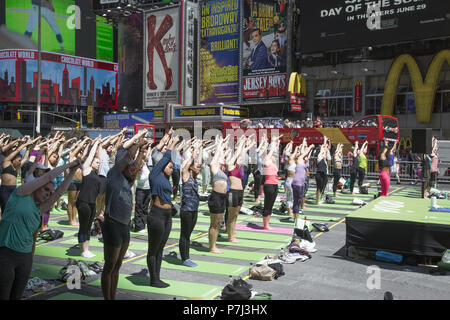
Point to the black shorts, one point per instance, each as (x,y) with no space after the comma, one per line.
(114,233)
(102,185)
(74,186)
(235,198)
(217,202)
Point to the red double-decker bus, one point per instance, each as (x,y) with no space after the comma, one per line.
(374,129)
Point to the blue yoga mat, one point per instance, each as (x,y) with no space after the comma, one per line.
(440,209)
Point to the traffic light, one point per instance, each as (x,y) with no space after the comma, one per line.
(18,115)
(78,125)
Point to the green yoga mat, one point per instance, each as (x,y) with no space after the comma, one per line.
(54,224)
(226,269)
(228,253)
(46,271)
(245,243)
(64,253)
(74,296)
(176,289)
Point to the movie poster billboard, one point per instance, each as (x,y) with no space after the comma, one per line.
(66,80)
(161,57)
(342,24)
(219,51)
(265,50)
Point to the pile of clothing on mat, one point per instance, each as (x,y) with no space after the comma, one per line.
(86,269)
(49,235)
(36,284)
(239,289)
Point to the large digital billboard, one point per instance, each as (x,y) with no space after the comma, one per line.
(161,57)
(329,25)
(219,51)
(66,80)
(265,50)
(131,61)
(105,40)
(57,36)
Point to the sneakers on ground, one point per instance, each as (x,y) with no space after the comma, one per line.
(297,256)
(129,254)
(189,263)
(308,246)
(285,258)
(87,254)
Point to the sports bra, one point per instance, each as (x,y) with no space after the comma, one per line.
(220,175)
(10,170)
(235,173)
(291,168)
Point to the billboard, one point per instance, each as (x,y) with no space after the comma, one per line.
(105,40)
(122,120)
(219,51)
(265,50)
(341,24)
(130,52)
(66,80)
(161,57)
(22,17)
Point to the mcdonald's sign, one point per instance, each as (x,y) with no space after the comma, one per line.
(424,91)
(297,88)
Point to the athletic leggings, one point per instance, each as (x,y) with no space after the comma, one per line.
(385,181)
(257,183)
(175,181)
(361,174)
(86,216)
(298,192)
(289,192)
(336,177)
(321,180)
(270,195)
(15,269)
(353,175)
(188,221)
(159,225)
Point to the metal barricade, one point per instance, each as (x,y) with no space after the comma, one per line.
(408,171)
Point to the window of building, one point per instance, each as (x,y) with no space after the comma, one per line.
(334,97)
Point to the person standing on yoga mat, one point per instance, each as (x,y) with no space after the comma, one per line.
(10,169)
(119,202)
(20,225)
(190,169)
(383,163)
(290,173)
(337,167)
(362,164)
(217,200)
(271,180)
(354,167)
(235,195)
(159,221)
(86,200)
(322,171)
(301,155)
(75,185)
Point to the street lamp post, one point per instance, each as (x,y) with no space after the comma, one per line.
(38,120)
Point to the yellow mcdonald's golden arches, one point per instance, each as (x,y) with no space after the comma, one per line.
(297,83)
(424,92)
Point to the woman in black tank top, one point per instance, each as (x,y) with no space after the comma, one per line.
(89,190)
